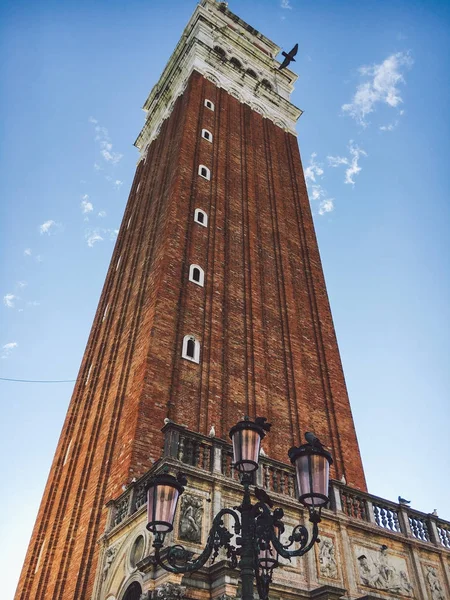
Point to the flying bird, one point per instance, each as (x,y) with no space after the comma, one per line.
(289,57)
(212,432)
(403,501)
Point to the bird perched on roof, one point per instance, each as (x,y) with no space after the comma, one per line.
(312,439)
(403,501)
(289,57)
(261,422)
(263,497)
(434,513)
(343,480)
(261,452)
(167,421)
(212,432)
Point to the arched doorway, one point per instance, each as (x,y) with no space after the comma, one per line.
(133,592)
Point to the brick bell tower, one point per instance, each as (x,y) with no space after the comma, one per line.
(214,305)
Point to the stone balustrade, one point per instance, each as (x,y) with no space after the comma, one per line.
(214,456)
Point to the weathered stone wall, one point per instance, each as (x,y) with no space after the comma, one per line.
(355,558)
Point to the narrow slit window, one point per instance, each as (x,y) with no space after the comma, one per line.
(204,172)
(66,456)
(191,349)
(41,551)
(88,375)
(197,275)
(207,135)
(105,313)
(209,104)
(201,217)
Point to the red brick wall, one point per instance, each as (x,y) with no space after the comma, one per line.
(268,345)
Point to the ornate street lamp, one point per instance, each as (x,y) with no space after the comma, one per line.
(163,492)
(256,526)
(312,467)
(246,437)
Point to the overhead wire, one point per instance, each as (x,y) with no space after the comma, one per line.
(38,380)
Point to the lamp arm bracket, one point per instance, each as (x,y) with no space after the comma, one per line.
(300,535)
(179,559)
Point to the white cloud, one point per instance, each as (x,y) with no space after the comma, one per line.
(313,172)
(86,206)
(102,214)
(39,258)
(99,234)
(106,147)
(8,348)
(286,4)
(381,87)
(389,127)
(326,206)
(49,227)
(117,183)
(352,161)
(112,157)
(27,252)
(93,236)
(313,169)
(9,300)
(33,303)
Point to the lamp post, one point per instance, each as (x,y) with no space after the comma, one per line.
(257,527)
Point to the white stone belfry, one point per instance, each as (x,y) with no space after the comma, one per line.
(235,57)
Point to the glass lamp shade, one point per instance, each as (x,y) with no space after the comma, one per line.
(162,498)
(312,466)
(246,437)
(268,558)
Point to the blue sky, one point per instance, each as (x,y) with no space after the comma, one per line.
(374,139)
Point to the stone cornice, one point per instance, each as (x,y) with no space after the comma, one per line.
(212,25)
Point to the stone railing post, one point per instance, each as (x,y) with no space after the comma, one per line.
(433,531)
(131,504)
(404,521)
(111,506)
(216,463)
(335,497)
(370,513)
(171,441)
(259,476)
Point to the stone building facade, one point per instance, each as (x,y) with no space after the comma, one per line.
(369,548)
(214,307)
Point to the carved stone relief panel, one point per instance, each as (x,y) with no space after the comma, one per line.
(433,582)
(169,591)
(382,570)
(191,519)
(326,558)
(110,555)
